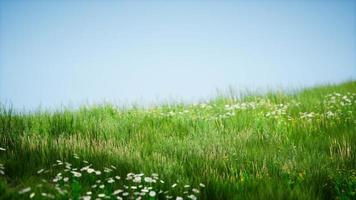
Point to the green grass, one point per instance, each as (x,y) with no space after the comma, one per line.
(296,145)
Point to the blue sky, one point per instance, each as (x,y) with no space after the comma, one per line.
(72,52)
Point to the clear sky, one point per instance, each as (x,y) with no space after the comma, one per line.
(70,52)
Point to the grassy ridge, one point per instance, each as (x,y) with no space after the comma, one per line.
(276,146)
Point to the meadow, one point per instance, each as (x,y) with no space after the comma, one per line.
(278,145)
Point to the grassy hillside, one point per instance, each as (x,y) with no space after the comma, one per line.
(274,146)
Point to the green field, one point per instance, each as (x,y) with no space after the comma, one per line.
(279,145)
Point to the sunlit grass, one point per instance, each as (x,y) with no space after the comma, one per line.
(298,145)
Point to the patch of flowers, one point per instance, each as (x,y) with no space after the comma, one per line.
(335,104)
(208,111)
(339,105)
(86,182)
(277,111)
(308,115)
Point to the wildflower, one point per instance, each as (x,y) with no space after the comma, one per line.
(65,179)
(76,174)
(85,168)
(179,198)
(32,195)
(145,190)
(137,179)
(192,197)
(98,172)
(129,178)
(174,185)
(152,193)
(141,174)
(117,177)
(125,194)
(330,114)
(149,180)
(195,190)
(101,186)
(2,149)
(86,197)
(101,195)
(201,185)
(111,180)
(107,170)
(25,190)
(89,193)
(40,171)
(116,192)
(68,165)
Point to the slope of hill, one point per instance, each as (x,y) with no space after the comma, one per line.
(273,146)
